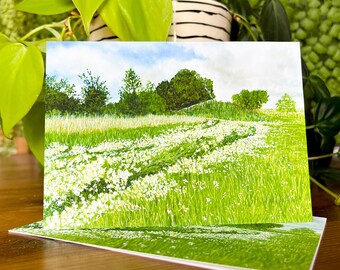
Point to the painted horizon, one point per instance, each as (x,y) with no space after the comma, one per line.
(208,163)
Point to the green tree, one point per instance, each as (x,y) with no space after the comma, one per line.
(150,101)
(94,92)
(110,109)
(131,83)
(136,99)
(128,103)
(60,96)
(250,100)
(286,104)
(165,90)
(185,89)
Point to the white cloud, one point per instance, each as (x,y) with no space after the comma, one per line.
(232,66)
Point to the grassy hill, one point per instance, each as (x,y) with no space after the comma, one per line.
(224,110)
(229,111)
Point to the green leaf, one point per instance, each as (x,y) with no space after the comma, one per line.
(274,22)
(241,7)
(34,127)
(45,7)
(21,76)
(87,9)
(305,71)
(3,40)
(327,116)
(328,174)
(318,88)
(143,20)
(41,44)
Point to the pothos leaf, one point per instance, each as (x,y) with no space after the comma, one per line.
(87,9)
(21,76)
(143,20)
(3,40)
(41,44)
(274,22)
(34,126)
(45,7)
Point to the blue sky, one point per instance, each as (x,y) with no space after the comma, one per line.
(232,66)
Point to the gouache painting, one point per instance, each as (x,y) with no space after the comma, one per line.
(152,134)
(260,246)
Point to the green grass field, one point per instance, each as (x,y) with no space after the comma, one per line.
(261,246)
(199,168)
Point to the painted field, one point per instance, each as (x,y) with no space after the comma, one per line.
(106,172)
(261,246)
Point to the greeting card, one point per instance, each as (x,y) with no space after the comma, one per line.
(260,246)
(174,134)
(193,152)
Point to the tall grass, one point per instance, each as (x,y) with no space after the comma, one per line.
(271,186)
(188,171)
(74,124)
(223,110)
(89,131)
(262,246)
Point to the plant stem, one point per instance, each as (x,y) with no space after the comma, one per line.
(310,127)
(242,21)
(40,28)
(334,195)
(323,156)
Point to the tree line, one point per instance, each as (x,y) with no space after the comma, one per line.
(183,90)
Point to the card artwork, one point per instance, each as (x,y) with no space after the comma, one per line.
(143,134)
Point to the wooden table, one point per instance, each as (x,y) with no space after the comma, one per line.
(21,193)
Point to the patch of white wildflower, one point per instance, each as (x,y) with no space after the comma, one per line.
(77,171)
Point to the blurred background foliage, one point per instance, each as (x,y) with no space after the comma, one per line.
(16,24)
(316,24)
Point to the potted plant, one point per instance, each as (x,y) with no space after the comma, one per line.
(120,15)
(22,64)
(208,20)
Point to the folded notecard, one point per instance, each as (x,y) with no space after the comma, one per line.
(189,152)
(174,134)
(260,246)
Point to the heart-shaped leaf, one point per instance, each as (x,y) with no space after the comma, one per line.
(41,44)
(327,116)
(142,20)
(274,22)
(34,127)
(21,76)
(87,9)
(45,7)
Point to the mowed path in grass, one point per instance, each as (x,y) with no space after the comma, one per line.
(174,171)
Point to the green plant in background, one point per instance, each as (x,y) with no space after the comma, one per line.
(21,59)
(22,65)
(11,21)
(129,19)
(316,24)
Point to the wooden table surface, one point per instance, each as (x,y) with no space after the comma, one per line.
(21,193)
